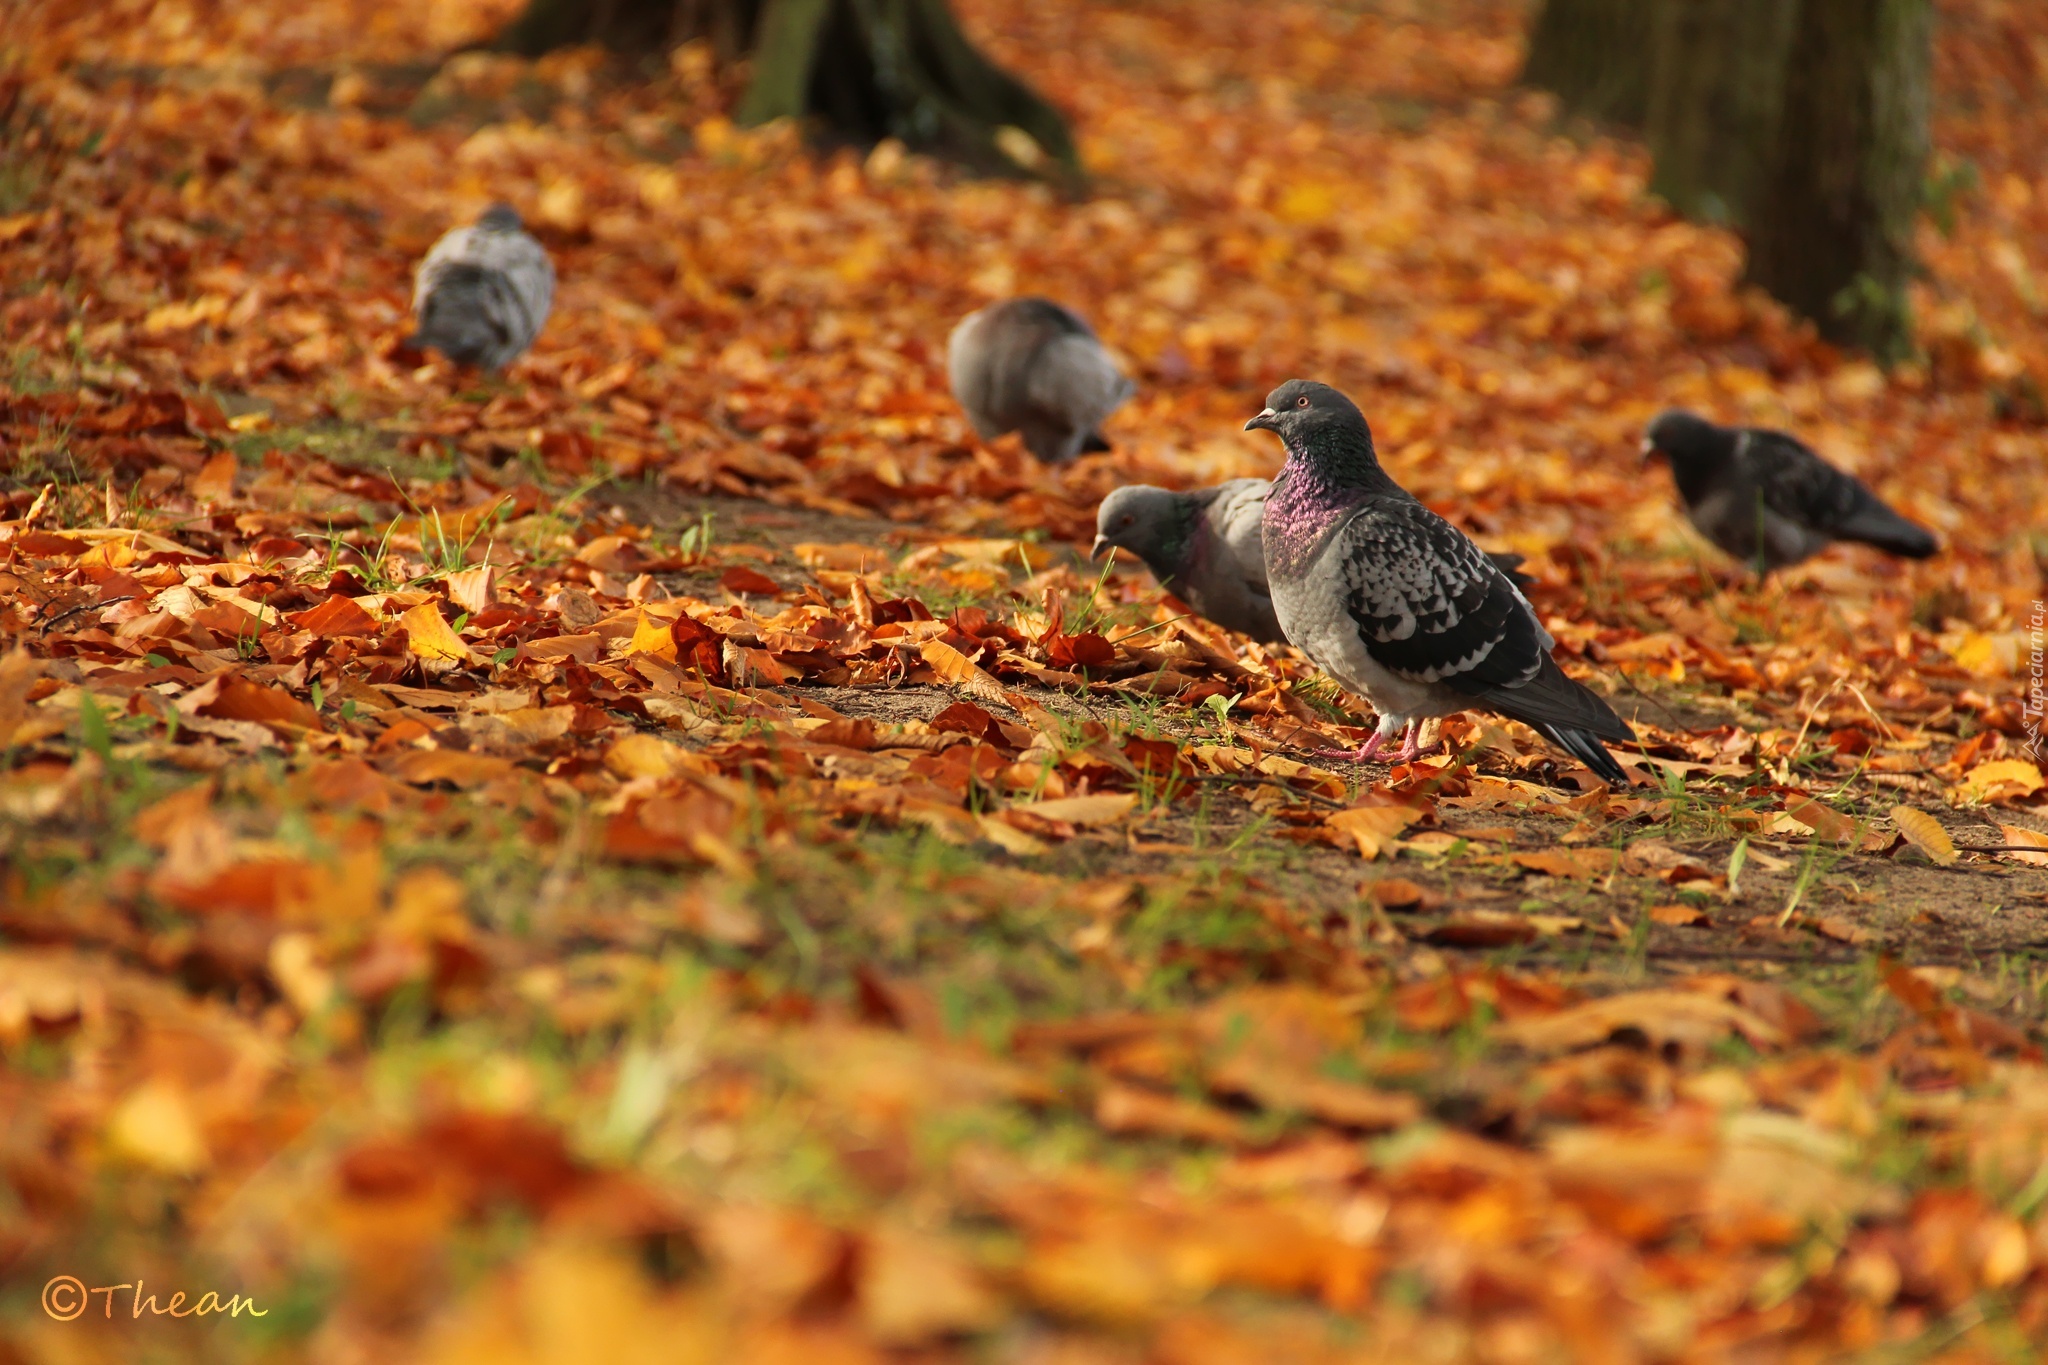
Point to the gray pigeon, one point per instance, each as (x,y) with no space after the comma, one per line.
(1206,547)
(1031,366)
(1767,499)
(483,292)
(1202,546)
(1395,603)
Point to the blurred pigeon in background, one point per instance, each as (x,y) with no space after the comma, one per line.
(483,292)
(1031,366)
(1768,499)
(1395,603)
(1205,546)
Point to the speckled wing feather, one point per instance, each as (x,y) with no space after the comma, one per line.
(1432,607)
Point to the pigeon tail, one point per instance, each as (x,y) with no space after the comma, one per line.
(1888,531)
(1094,443)
(1587,748)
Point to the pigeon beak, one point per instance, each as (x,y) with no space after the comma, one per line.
(1264,421)
(1095,550)
(1649,450)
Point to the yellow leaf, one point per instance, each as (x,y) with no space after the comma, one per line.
(1372,827)
(653,637)
(176,317)
(1925,833)
(643,755)
(2005,779)
(957,669)
(154,1127)
(1082,810)
(428,637)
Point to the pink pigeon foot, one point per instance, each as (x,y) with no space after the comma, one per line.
(1408,752)
(1358,755)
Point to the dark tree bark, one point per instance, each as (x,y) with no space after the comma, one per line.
(1833,229)
(863,69)
(1716,93)
(1595,56)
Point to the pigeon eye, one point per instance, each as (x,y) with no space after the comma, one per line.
(1302,401)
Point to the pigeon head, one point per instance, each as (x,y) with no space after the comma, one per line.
(1152,523)
(499,218)
(1323,430)
(1685,440)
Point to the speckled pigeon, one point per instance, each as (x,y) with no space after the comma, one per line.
(483,292)
(1205,546)
(1397,604)
(1028,365)
(1767,499)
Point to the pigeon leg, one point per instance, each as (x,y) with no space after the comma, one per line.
(1365,750)
(1408,752)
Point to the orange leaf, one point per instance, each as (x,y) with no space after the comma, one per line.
(653,637)
(338,615)
(1582,864)
(216,481)
(958,670)
(742,581)
(241,699)
(2025,838)
(1372,828)
(428,637)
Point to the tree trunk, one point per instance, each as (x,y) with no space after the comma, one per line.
(864,69)
(1595,56)
(1833,229)
(1716,92)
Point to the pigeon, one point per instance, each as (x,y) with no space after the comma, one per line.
(1031,366)
(483,292)
(1203,546)
(1767,499)
(1206,547)
(1397,604)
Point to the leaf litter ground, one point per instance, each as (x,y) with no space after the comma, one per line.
(672,854)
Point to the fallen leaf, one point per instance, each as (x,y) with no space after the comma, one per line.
(429,638)
(1372,828)
(2001,781)
(1663,1018)
(1925,833)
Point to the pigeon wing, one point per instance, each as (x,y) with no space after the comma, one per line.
(1432,607)
(1236,516)
(1801,486)
(1072,386)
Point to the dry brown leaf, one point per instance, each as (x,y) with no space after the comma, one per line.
(1925,833)
(1661,1017)
(2019,837)
(1372,828)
